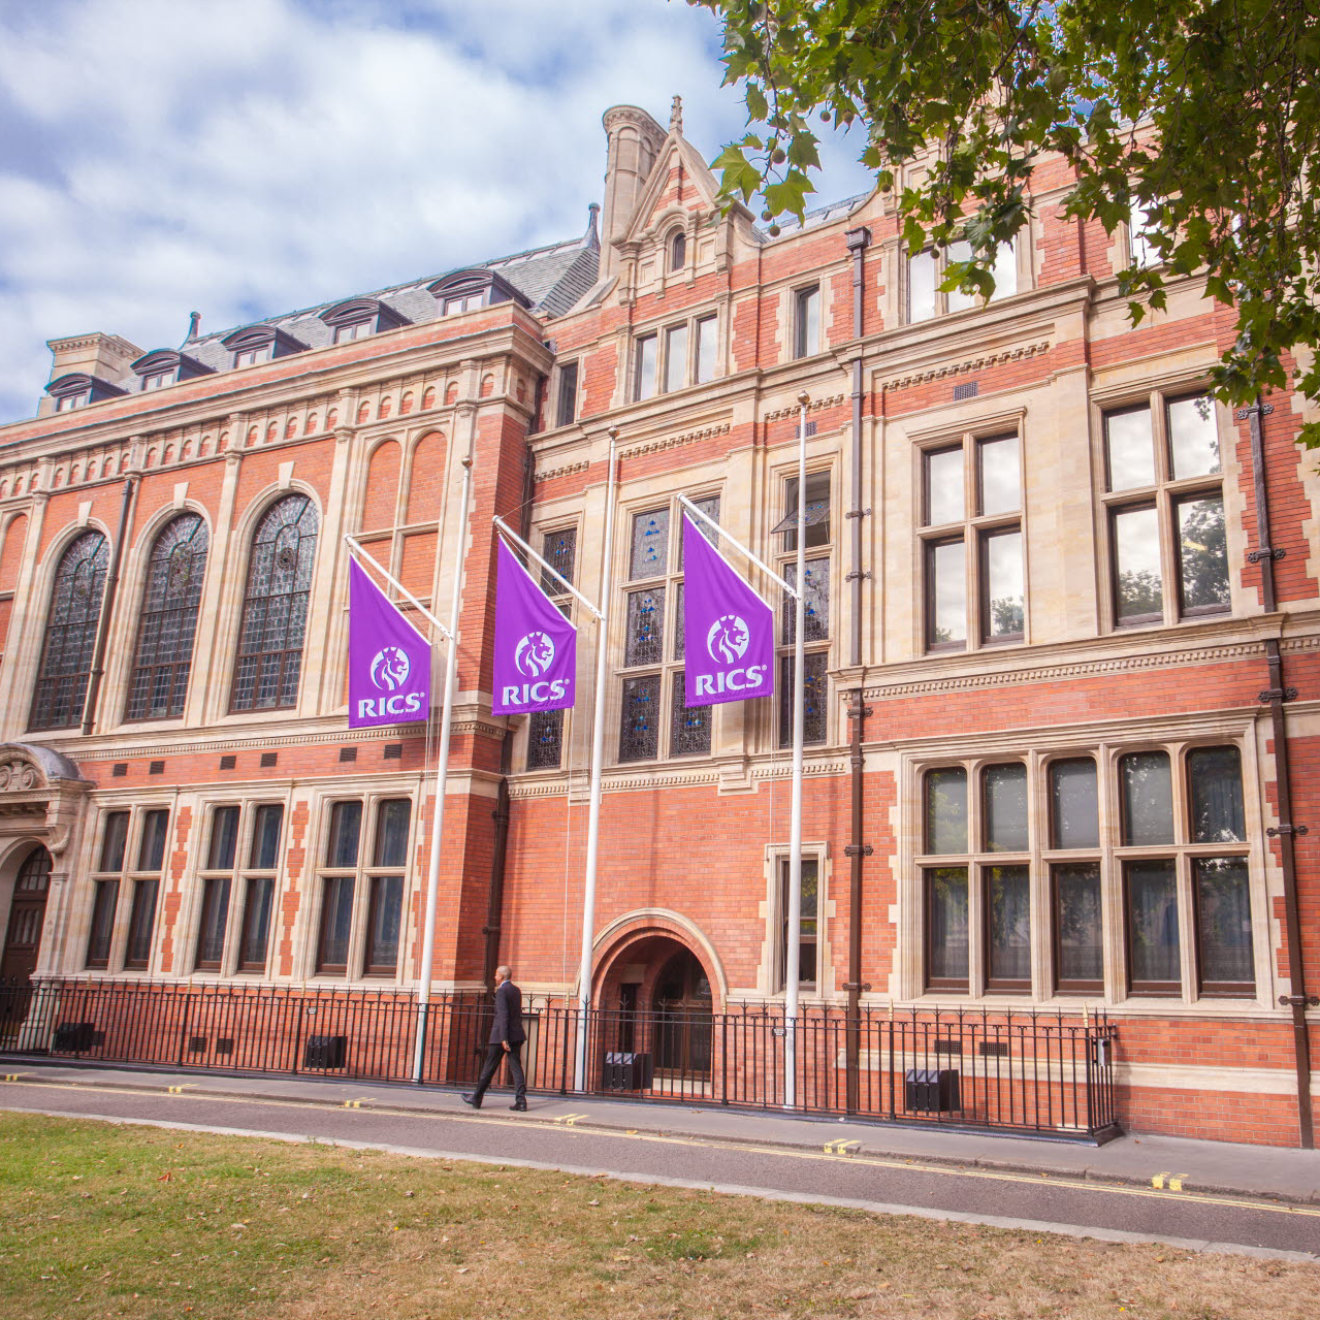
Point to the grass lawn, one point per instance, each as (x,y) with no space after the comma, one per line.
(101,1221)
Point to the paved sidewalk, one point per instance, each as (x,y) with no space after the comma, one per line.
(1206,1166)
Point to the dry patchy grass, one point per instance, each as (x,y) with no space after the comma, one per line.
(104,1221)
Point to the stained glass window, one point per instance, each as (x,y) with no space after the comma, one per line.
(816,603)
(275,607)
(545,739)
(168,620)
(650,544)
(644,644)
(66,656)
(559,549)
(815,693)
(640,725)
(689,726)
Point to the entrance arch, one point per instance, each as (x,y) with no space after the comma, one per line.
(27,914)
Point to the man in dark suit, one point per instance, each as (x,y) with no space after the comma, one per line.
(506,1042)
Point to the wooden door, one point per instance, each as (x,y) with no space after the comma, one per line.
(27,914)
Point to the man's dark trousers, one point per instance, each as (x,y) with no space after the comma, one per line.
(494,1053)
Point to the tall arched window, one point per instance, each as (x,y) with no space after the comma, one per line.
(66,656)
(275,607)
(168,621)
(677,250)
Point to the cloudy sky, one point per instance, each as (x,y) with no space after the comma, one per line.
(248,157)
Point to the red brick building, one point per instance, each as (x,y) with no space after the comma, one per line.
(1065,605)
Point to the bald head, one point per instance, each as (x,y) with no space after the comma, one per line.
(503,973)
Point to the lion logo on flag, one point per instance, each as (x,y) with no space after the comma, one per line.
(728,639)
(534,654)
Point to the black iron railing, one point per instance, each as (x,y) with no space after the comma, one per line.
(1021,1072)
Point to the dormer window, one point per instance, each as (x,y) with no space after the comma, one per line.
(677,250)
(260,343)
(360,317)
(167,366)
(467,290)
(78,389)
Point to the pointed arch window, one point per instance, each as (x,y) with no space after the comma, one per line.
(66,655)
(168,621)
(275,607)
(677,250)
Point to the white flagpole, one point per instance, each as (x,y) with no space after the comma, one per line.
(794,938)
(597,756)
(441,779)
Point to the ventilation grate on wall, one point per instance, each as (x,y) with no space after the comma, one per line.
(348,753)
(228,762)
(968,390)
(156,768)
(119,769)
(394,751)
(269,758)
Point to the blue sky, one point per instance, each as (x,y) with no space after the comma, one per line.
(247,157)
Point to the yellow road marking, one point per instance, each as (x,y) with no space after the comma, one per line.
(352,1104)
(743,1147)
(841,1146)
(12,1077)
(1173,1181)
(179,1090)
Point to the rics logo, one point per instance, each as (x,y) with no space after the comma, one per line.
(534,654)
(390,668)
(727,640)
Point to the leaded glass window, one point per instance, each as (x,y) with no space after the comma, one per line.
(275,607)
(650,544)
(639,735)
(66,657)
(815,694)
(559,550)
(816,606)
(644,644)
(689,726)
(545,739)
(168,621)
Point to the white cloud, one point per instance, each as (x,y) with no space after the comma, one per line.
(255,156)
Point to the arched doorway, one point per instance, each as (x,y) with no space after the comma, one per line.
(27,914)
(684,1022)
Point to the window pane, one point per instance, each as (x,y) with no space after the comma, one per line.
(944,487)
(392,820)
(545,739)
(151,849)
(1147,798)
(1193,437)
(224,839)
(689,726)
(1077,925)
(1203,555)
(640,719)
(710,506)
(1152,901)
(345,827)
(1074,805)
(265,853)
(816,603)
(1223,923)
(645,383)
(946,924)
(1005,800)
(1138,580)
(566,411)
(1001,479)
(676,357)
(921,286)
(1008,902)
(559,550)
(650,544)
(1005,589)
(215,917)
(707,331)
(808,927)
(142,919)
(1215,774)
(386,920)
(815,692)
(946,586)
(1005,271)
(336,923)
(103,923)
(817,511)
(1130,448)
(256,924)
(644,639)
(114,841)
(959,301)
(808,322)
(946,810)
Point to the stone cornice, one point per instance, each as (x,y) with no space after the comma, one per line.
(1017,353)
(816,405)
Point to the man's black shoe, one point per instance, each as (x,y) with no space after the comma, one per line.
(469,1099)
(521,1106)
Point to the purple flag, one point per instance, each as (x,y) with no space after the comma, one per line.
(389,661)
(535,646)
(729,629)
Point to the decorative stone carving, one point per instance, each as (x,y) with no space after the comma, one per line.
(18,776)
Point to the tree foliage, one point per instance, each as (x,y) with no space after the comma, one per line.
(1203,114)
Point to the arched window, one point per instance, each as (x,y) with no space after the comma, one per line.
(275,607)
(677,250)
(168,621)
(66,656)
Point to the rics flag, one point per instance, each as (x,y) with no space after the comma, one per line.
(389,661)
(729,630)
(535,646)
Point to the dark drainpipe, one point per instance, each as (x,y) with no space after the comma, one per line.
(107,608)
(1274,696)
(495,895)
(857,241)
